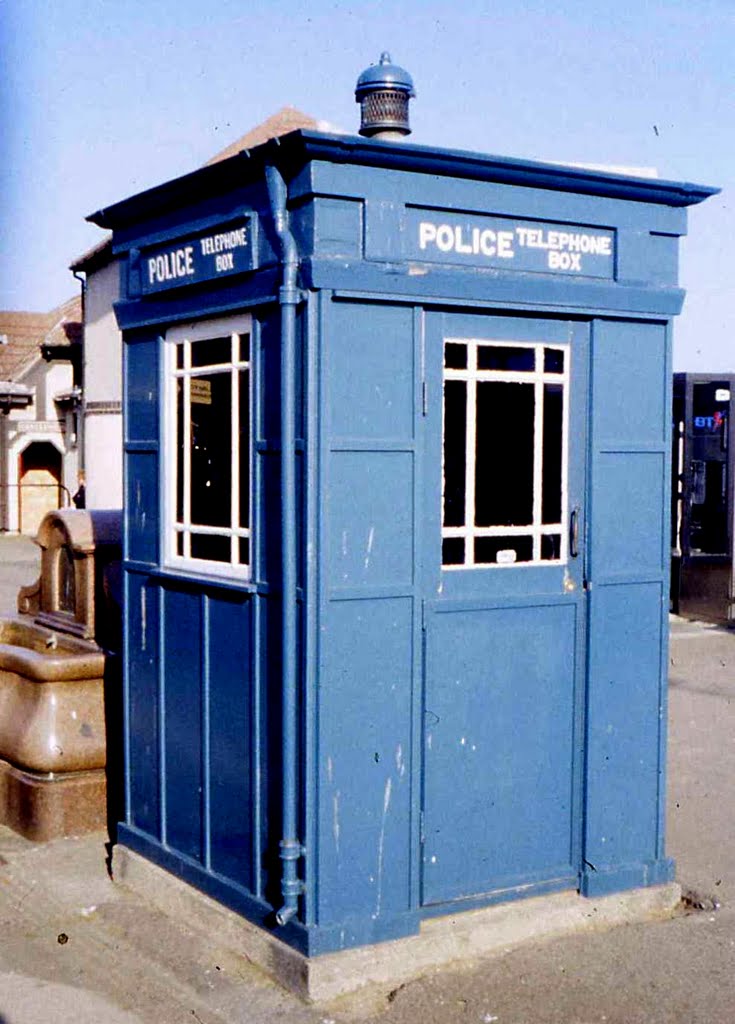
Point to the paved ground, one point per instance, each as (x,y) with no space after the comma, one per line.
(20,564)
(76,947)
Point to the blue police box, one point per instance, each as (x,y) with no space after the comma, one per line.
(397,542)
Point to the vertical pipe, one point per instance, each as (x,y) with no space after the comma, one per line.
(290,849)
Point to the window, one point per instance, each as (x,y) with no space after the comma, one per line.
(207,433)
(505,437)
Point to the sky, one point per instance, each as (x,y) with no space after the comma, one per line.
(100,99)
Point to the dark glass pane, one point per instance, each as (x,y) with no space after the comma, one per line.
(551,480)
(498,357)
(453,551)
(180,357)
(244,551)
(179,544)
(179,450)
(504,454)
(551,547)
(553,360)
(211,444)
(455,451)
(214,549)
(244,347)
(708,510)
(67,596)
(211,351)
(455,356)
(244,442)
(487,550)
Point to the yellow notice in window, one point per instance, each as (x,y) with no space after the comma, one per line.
(201,391)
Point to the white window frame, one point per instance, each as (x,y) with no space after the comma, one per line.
(538,378)
(185,334)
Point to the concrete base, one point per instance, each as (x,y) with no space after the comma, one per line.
(43,807)
(441,941)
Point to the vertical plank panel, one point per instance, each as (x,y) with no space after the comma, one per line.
(183,715)
(230,722)
(143,668)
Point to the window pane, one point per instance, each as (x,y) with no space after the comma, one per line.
(179,451)
(455,451)
(244,551)
(244,453)
(504,454)
(453,551)
(211,351)
(244,348)
(553,360)
(503,550)
(211,450)
(498,357)
(214,549)
(552,453)
(180,356)
(455,356)
(551,547)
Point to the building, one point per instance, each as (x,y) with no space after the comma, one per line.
(40,393)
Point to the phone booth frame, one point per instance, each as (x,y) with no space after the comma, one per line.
(332,727)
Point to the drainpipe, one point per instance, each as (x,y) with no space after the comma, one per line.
(290,849)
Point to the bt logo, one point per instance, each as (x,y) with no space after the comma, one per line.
(710,422)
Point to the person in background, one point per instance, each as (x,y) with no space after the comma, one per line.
(80,497)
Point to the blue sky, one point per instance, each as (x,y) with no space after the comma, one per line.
(101,99)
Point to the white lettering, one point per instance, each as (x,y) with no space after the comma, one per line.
(505,245)
(427,233)
(213,244)
(444,238)
(171,265)
(487,242)
(565,261)
(224,262)
(459,245)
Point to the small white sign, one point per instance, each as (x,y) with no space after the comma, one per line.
(506,557)
(722,395)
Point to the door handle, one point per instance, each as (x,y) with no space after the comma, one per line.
(574,533)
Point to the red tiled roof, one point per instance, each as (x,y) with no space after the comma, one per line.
(26,332)
(287,119)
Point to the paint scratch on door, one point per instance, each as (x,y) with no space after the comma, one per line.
(143,619)
(368,553)
(335,820)
(381,844)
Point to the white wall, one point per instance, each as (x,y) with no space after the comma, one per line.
(102,390)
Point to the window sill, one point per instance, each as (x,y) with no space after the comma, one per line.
(205,580)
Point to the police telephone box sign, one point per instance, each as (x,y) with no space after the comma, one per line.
(202,257)
(504,243)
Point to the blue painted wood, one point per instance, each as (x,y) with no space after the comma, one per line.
(629,539)
(141,506)
(182,697)
(232,757)
(504,675)
(561,688)
(364,759)
(500,745)
(142,723)
(141,371)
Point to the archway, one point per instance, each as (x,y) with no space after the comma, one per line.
(39,477)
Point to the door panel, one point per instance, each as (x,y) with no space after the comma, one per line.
(503,602)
